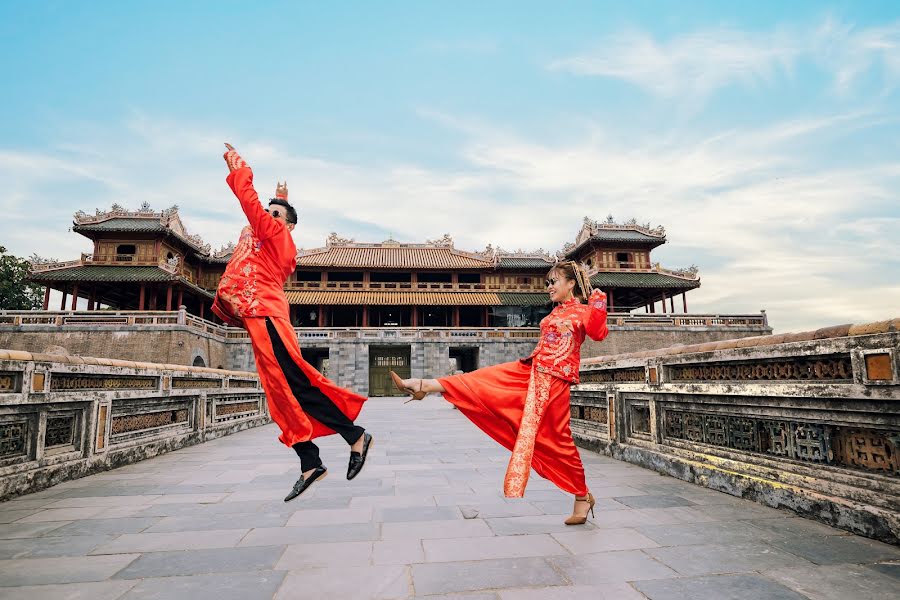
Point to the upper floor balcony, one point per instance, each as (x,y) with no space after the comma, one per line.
(175,265)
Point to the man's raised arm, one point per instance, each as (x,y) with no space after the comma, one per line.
(240,180)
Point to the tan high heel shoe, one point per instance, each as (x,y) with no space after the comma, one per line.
(573,520)
(416,395)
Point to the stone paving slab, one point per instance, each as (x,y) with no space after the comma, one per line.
(425,519)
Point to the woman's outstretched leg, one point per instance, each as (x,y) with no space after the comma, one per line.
(417,388)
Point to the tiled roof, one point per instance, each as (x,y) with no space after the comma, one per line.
(392,257)
(414,298)
(524,262)
(104,273)
(604,280)
(165,222)
(122,224)
(627,236)
(113,274)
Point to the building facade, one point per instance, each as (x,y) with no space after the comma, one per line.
(409,307)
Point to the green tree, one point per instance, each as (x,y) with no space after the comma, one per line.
(15,291)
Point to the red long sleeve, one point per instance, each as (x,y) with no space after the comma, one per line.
(264,225)
(595,320)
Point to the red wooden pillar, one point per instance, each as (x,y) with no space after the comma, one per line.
(169,297)
(415,316)
(653,306)
(366,316)
(202,309)
(92,298)
(672,302)
(75,297)
(609,300)
(141,297)
(62,304)
(456,315)
(485,322)
(321,322)
(47,298)
(153,294)
(180,298)
(663,309)
(684,301)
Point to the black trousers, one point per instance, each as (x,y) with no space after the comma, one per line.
(313,402)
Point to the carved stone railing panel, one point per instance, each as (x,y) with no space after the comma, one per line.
(14,438)
(70,382)
(183,383)
(243,383)
(126,424)
(826,369)
(10,382)
(613,375)
(866,449)
(61,431)
(235,407)
(639,419)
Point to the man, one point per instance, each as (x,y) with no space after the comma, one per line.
(303,403)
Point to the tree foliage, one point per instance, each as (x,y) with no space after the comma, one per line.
(16,293)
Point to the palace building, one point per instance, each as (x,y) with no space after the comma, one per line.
(146,260)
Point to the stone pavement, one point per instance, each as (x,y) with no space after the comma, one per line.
(425,519)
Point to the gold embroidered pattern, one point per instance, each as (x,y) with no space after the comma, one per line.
(240,295)
(536,400)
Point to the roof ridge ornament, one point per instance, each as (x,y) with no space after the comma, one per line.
(444,240)
(334,239)
(591,227)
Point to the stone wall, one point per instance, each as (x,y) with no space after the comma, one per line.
(63,417)
(167,344)
(807,421)
(626,339)
(178,338)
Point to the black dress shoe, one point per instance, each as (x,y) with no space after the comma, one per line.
(304,483)
(358,459)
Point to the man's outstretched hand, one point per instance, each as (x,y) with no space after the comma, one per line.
(233,159)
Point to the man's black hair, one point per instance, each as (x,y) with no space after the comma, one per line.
(291,211)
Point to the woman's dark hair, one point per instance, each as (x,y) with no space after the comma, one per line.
(291,216)
(572,271)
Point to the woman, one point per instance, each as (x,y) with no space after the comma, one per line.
(524,405)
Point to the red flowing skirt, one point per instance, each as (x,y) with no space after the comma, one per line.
(493,398)
(296,425)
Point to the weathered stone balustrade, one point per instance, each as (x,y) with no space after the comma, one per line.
(807,421)
(63,417)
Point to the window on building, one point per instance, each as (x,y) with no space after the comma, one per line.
(469,278)
(309,276)
(434,277)
(345,276)
(125,252)
(390,277)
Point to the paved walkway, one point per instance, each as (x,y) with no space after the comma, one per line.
(425,519)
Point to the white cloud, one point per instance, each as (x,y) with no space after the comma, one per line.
(694,65)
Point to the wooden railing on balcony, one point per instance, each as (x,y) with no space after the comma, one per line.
(132,260)
(407,286)
(181,317)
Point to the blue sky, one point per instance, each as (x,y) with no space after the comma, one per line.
(763,136)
